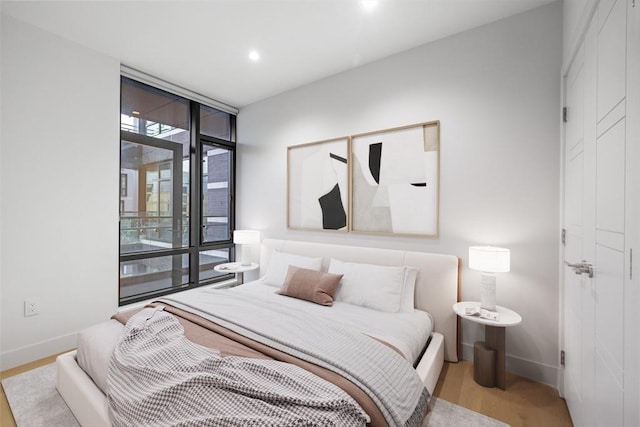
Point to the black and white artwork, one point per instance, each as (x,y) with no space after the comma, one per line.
(395,180)
(318,185)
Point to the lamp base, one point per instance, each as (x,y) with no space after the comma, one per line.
(245,256)
(488,292)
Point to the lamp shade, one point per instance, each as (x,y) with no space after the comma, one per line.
(489,259)
(246,237)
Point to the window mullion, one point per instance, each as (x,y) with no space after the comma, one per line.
(196,194)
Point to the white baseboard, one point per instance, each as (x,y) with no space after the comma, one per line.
(525,368)
(20,356)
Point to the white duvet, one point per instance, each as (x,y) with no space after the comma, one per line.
(408,332)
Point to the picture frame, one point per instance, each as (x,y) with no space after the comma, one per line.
(318,185)
(394,181)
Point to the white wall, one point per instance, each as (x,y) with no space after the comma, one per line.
(496,91)
(59,176)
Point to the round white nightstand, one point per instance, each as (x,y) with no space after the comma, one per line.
(237,268)
(494,333)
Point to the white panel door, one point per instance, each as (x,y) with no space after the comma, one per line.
(579,220)
(596,173)
(632,222)
(610,208)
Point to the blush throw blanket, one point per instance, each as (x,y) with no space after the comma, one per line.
(157,377)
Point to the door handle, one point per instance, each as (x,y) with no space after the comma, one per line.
(581,268)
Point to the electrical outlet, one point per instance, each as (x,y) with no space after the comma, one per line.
(31,307)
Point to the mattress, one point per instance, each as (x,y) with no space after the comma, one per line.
(407,332)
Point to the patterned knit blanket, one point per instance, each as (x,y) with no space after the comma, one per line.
(159,378)
(387,378)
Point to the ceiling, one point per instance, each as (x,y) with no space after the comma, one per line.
(204,45)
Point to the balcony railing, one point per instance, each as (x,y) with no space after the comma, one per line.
(144,228)
(149,230)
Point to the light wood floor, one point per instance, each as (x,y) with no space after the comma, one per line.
(523,403)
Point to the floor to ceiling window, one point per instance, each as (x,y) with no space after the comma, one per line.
(177,163)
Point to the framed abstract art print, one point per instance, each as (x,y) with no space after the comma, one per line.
(317,185)
(395,180)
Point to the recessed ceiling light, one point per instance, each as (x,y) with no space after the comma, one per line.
(369,5)
(254,55)
(135,113)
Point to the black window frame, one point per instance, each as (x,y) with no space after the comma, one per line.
(197,142)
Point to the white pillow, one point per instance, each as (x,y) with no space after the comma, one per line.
(407,303)
(279,265)
(373,286)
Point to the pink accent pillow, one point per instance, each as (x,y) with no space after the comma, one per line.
(310,285)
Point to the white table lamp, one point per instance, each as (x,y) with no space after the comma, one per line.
(244,238)
(489,260)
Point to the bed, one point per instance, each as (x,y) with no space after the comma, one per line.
(436,290)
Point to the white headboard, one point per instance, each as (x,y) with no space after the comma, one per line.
(436,286)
